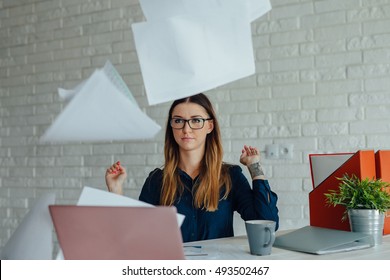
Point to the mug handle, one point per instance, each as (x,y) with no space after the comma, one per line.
(271,237)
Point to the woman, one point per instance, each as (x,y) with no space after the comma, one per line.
(195,179)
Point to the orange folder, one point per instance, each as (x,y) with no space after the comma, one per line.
(362,164)
(382,160)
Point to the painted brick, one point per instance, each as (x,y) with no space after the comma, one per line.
(278,78)
(338,87)
(298,10)
(334,5)
(331,60)
(345,143)
(283,131)
(323,74)
(368,70)
(376,56)
(279,104)
(322,20)
(381,141)
(272,26)
(292,64)
(286,38)
(324,129)
(344,114)
(363,98)
(302,116)
(249,119)
(376,27)
(291,92)
(370,126)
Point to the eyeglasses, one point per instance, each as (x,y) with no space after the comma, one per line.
(195,123)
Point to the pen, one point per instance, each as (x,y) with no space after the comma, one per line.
(193,246)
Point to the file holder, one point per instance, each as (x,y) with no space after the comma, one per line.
(362,164)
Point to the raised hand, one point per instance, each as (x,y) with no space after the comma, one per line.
(249,155)
(115,176)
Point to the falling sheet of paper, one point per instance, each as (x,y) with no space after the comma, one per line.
(184,55)
(257,8)
(160,9)
(33,238)
(100,109)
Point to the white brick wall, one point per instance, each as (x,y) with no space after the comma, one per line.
(322,83)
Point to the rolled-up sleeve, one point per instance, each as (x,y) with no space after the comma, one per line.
(258,202)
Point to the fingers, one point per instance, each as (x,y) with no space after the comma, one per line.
(250,151)
(115,168)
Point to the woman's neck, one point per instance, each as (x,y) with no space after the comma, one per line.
(190,163)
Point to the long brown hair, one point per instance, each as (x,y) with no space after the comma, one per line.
(213,174)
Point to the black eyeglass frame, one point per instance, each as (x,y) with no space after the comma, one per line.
(188,121)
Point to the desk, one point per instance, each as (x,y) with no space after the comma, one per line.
(237,248)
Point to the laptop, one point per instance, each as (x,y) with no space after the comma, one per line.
(317,240)
(117,233)
(32,239)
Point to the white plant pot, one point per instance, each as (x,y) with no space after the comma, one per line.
(367,221)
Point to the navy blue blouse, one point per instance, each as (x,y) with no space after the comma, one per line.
(199,224)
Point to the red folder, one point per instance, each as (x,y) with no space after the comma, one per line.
(382,160)
(362,164)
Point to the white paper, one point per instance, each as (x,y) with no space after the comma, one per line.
(323,165)
(33,238)
(161,9)
(185,55)
(257,8)
(101,109)
(95,197)
(187,47)
(68,94)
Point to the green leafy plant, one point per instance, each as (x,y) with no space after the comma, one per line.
(354,193)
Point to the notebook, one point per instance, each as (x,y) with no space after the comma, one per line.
(316,240)
(117,233)
(32,239)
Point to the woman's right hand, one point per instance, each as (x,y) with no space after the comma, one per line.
(115,176)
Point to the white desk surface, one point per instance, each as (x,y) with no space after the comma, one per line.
(237,248)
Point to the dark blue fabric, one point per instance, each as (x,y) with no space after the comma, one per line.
(199,224)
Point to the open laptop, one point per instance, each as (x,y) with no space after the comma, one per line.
(117,233)
(317,240)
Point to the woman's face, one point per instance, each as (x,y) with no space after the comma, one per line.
(187,138)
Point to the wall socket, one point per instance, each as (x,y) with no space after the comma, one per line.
(272,151)
(279,151)
(286,151)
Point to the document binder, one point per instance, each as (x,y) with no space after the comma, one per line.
(362,164)
(323,165)
(316,240)
(382,161)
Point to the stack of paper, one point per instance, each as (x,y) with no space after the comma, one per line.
(187,46)
(101,108)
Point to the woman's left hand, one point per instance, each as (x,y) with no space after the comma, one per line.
(249,155)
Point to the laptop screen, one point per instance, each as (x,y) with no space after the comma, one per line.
(117,233)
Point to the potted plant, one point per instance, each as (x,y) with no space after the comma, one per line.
(365,202)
